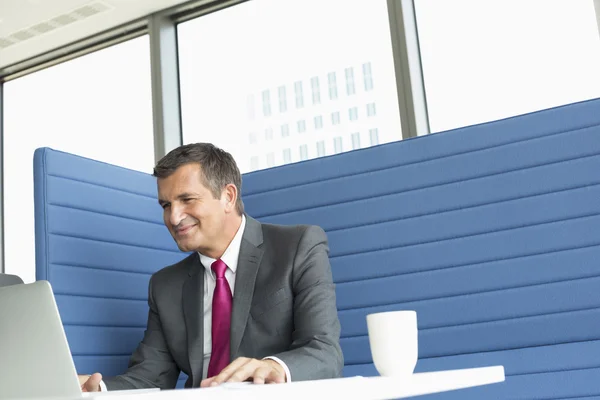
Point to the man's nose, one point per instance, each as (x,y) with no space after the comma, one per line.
(177,215)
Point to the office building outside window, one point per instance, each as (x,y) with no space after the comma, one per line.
(353,113)
(332,86)
(301,126)
(282,99)
(266,98)
(374,136)
(367,76)
(350,88)
(270,159)
(299,94)
(321,148)
(337,145)
(316,90)
(318,122)
(287,156)
(335,118)
(310,65)
(355,140)
(304,152)
(371,112)
(254,163)
(285,130)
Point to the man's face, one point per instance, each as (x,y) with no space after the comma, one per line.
(192,214)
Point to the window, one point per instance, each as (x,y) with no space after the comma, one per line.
(374,136)
(270,159)
(371,110)
(97,106)
(308,59)
(350,89)
(285,130)
(320,148)
(252,138)
(316,91)
(332,86)
(355,140)
(254,163)
(337,145)
(304,152)
(266,98)
(525,56)
(282,99)
(335,118)
(287,156)
(299,94)
(318,122)
(353,113)
(367,76)
(269,134)
(301,126)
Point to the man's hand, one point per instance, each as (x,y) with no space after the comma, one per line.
(243,369)
(90,383)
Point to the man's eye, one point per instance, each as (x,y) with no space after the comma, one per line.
(164,206)
(187,200)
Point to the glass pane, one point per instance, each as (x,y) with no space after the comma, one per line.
(303,152)
(97,106)
(356,140)
(300,72)
(488,60)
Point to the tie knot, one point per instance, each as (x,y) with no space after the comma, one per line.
(219,268)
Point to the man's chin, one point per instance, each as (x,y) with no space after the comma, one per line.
(185,247)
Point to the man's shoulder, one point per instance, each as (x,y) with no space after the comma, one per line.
(178,270)
(297,229)
(292,233)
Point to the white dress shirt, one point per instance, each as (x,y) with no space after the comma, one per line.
(229,257)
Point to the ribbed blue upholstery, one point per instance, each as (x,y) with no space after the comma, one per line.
(491,232)
(99,236)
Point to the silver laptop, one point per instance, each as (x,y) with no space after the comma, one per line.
(35,359)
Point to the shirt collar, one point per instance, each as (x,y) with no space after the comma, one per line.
(231,254)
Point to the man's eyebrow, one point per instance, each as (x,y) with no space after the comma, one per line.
(179,197)
(186,194)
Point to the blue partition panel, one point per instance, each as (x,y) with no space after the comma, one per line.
(490,232)
(99,237)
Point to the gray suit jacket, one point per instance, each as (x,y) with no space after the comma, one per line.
(284,306)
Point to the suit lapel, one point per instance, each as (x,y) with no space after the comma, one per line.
(193,311)
(248,263)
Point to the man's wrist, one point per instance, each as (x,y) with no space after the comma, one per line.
(281,366)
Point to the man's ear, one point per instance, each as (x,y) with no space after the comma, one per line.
(229,197)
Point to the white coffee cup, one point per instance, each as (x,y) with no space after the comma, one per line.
(393,337)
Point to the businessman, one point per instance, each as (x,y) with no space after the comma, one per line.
(253,302)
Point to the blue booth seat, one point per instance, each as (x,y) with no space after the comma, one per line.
(490,232)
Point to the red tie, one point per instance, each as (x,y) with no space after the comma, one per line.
(221,321)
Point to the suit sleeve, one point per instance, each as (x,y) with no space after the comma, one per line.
(151,365)
(315,351)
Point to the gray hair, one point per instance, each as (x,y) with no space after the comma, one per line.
(217,166)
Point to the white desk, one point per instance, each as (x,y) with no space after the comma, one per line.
(363,388)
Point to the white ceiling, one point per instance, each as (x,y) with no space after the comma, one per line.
(32,27)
